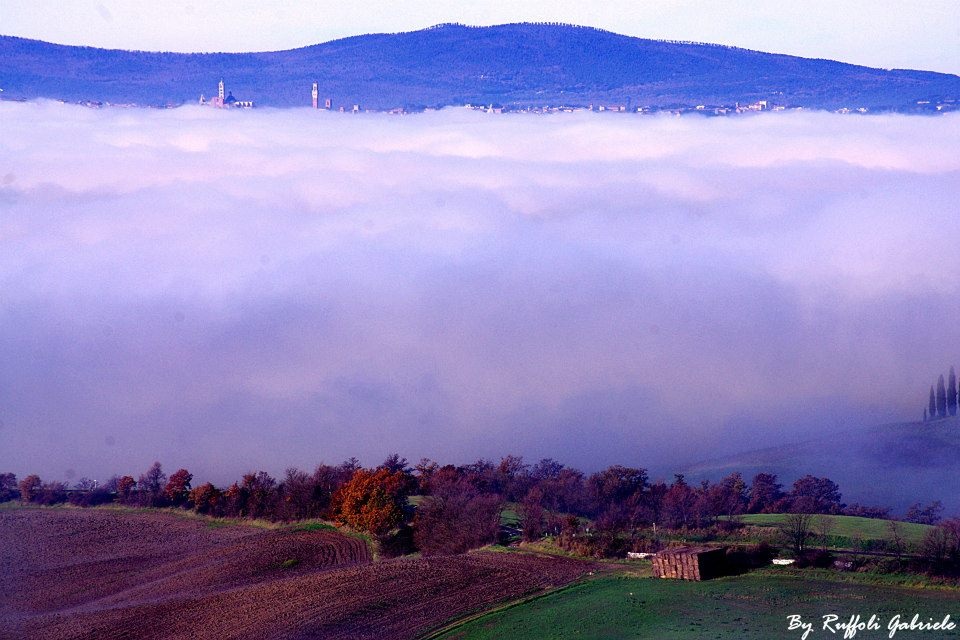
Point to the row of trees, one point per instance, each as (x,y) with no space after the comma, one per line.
(943,402)
(459,506)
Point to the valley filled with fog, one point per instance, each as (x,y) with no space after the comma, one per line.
(227,291)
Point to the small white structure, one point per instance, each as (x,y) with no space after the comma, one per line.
(783,561)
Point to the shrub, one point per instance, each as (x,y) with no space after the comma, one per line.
(457,517)
(51,493)
(819,559)
(90,498)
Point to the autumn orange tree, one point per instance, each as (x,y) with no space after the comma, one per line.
(373,500)
(178,487)
(205,498)
(29,487)
(125,487)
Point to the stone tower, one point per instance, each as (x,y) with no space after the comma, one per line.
(316,96)
(220,91)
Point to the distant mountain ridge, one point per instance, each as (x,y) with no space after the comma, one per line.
(892,465)
(514,64)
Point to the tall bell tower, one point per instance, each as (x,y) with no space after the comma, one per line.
(316,96)
(220,91)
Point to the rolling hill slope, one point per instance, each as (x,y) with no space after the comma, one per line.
(891,465)
(454,64)
(68,573)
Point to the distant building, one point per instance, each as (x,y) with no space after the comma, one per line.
(218,101)
(315,94)
(759,105)
(222,102)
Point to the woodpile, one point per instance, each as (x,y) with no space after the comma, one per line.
(690,563)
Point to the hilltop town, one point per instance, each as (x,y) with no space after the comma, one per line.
(757,106)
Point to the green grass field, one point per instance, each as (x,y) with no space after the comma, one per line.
(849,526)
(415,500)
(509,515)
(754,606)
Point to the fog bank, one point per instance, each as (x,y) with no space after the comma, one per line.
(236,290)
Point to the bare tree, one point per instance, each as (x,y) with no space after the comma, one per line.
(796,529)
(941,546)
(896,538)
(935,547)
(150,485)
(85,484)
(823,526)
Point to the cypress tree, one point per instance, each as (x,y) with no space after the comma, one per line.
(952,393)
(941,398)
(933,403)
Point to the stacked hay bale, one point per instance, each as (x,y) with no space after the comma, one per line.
(690,563)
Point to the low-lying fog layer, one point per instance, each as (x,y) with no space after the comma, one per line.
(236,290)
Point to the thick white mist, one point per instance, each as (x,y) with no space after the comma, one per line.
(228,291)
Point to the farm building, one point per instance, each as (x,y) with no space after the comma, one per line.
(690,563)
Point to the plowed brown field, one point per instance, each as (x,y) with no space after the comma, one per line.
(95,574)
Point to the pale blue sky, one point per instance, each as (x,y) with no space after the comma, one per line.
(922,34)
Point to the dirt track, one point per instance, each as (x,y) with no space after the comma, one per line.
(94,573)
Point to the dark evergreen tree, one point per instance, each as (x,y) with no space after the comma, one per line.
(933,403)
(941,398)
(952,393)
